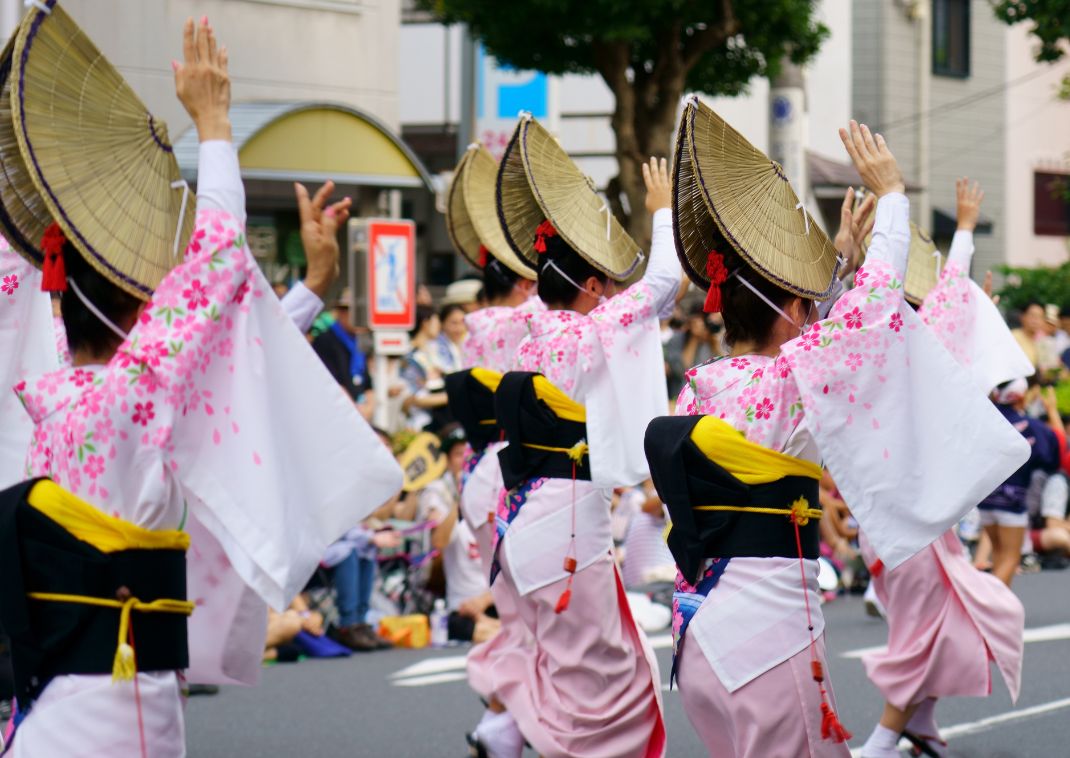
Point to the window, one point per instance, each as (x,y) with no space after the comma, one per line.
(951,37)
(1051,204)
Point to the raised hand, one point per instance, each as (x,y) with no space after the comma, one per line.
(319,235)
(873,160)
(968,203)
(855,224)
(658,185)
(202,82)
(988,288)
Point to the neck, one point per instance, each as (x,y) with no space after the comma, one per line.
(770,350)
(84,357)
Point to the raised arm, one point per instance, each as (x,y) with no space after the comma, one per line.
(319,237)
(663,272)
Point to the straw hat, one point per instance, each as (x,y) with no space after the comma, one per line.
(924,264)
(727,195)
(462,292)
(538,181)
(472,219)
(101,163)
(23,213)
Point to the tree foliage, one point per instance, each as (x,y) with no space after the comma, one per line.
(1050,23)
(649,52)
(1041,285)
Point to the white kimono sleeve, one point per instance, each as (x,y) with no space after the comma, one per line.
(911,442)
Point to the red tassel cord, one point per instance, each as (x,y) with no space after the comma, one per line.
(483,256)
(876,568)
(717,274)
(570,557)
(544,230)
(831,726)
(53,270)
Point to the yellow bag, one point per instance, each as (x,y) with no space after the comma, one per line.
(406,631)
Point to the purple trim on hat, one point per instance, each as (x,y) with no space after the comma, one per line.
(34,27)
(735,243)
(498,201)
(156,138)
(681,251)
(11,231)
(611,274)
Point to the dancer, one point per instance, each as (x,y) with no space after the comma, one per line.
(494,332)
(165,434)
(946,620)
(588,378)
(853,390)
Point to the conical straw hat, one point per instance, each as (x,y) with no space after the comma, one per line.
(753,208)
(536,181)
(472,219)
(924,263)
(100,161)
(23,213)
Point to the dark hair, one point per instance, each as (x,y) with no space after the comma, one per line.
(748,318)
(424,313)
(447,311)
(451,435)
(84,330)
(498,280)
(555,289)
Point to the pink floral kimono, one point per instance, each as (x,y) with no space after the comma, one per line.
(947,620)
(493,336)
(214,416)
(589,686)
(912,445)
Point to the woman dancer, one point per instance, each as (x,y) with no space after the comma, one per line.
(166,433)
(494,332)
(588,378)
(946,620)
(853,389)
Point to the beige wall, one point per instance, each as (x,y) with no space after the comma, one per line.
(338,50)
(1038,137)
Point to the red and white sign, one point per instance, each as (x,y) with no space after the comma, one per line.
(391,274)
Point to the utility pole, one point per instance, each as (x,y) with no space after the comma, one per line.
(787,127)
(466,128)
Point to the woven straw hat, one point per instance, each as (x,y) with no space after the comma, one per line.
(471,217)
(538,181)
(727,195)
(100,162)
(924,263)
(23,213)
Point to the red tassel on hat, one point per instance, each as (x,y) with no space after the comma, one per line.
(717,274)
(53,270)
(544,230)
(482,256)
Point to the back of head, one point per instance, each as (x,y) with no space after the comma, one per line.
(557,265)
(748,318)
(86,333)
(498,280)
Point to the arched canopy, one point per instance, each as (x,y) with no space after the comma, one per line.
(313,142)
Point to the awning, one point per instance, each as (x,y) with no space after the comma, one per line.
(944,224)
(830,177)
(312,142)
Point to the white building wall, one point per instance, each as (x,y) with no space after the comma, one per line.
(1038,138)
(337,50)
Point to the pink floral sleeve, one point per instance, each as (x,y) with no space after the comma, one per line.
(948,310)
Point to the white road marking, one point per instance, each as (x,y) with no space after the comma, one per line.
(981,725)
(431,666)
(1037,634)
(422,681)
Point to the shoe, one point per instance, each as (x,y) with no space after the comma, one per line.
(202,689)
(475,747)
(381,643)
(353,637)
(1030,563)
(927,746)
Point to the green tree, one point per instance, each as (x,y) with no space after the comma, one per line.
(649,52)
(1050,20)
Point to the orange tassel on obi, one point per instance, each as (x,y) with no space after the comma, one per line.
(566,596)
(53,270)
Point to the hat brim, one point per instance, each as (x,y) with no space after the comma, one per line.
(924,263)
(471,216)
(753,206)
(102,164)
(537,180)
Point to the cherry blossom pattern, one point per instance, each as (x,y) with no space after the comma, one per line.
(9,284)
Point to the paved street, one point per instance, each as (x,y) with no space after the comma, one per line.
(416,703)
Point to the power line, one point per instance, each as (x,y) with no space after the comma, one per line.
(962,102)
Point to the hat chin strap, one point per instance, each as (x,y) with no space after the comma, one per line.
(767,301)
(570,280)
(96,311)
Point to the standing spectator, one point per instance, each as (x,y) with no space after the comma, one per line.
(339,349)
(425,394)
(446,352)
(699,341)
(1031,330)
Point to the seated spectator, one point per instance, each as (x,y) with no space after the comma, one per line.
(424,391)
(1049,531)
(468,598)
(339,349)
(284,627)
(647,559)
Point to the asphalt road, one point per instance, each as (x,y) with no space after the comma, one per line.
(405,703)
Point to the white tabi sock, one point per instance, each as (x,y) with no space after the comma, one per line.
(881,744)
(500,735)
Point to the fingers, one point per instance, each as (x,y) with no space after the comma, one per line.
(202,41)
(867,138)
(223,58)
(304,205)
(189,50)
(336,215)
(664,166)
(849,144)
(320,199)
(848,204)
(647,179)
(213,50)
(988,284)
